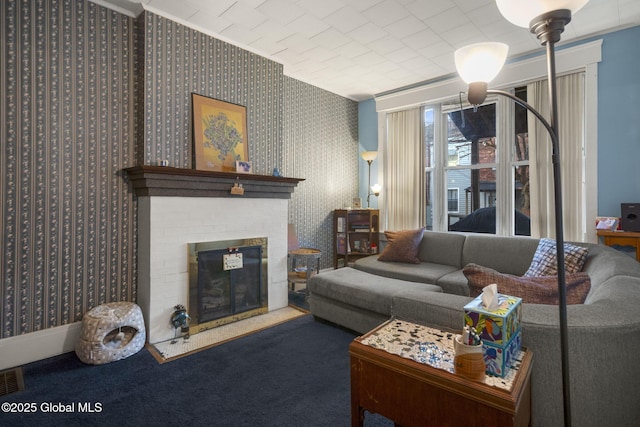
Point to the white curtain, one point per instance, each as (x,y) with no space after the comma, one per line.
(404,166)
(570,126)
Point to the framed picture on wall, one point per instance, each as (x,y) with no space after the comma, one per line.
(219,134)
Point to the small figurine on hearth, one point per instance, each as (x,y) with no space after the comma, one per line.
(180,320)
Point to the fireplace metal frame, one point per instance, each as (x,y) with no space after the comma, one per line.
(194,248)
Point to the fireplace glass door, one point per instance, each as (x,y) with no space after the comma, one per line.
(229,281)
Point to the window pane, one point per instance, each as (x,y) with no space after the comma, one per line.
(471,136)
(471,141)
(477,188)
(521,141)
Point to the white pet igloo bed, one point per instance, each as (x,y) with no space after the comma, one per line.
(111,332)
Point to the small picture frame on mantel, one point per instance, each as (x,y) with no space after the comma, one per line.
(243,166)
(357,202)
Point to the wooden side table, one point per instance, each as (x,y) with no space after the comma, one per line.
(389,377)
(622,238)
(304,257)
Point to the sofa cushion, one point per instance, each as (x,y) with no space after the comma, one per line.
(443,248)
(454,283)
(440,310)
(425,272)
(533,290)
(510,255)
(361,289)
(402,246)
(544,261)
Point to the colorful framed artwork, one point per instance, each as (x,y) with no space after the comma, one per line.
(219,134)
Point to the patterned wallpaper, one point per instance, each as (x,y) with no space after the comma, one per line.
(320,145)
(86,92)
(178,61)
(305,131)
(68,231)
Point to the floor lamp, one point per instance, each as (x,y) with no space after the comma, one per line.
(369,157)
(479,64)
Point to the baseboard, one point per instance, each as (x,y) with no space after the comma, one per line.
(27,348)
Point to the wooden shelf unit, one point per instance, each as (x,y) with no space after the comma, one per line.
(355,235)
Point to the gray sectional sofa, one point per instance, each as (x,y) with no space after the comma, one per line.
(604,331)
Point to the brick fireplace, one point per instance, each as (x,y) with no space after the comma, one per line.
(177,207)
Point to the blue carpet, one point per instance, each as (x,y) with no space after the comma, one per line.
(294,374)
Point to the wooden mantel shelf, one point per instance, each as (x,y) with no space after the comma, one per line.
(179,182)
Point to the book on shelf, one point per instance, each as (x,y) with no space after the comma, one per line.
(341,244)
(359,225)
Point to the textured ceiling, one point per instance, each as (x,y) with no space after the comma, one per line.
(358,48)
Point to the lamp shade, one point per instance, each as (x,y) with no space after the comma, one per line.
(369,156)
(480,62)
(376,188)
(521,12)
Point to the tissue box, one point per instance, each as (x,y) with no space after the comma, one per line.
(498,326)
(498,329)
(497,358)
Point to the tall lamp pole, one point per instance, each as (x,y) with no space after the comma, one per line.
(369,157)
(546,19)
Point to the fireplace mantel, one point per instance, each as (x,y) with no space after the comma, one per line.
(169,181)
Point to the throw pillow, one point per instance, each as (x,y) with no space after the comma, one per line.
(545,262)
(402,246)
(533,290)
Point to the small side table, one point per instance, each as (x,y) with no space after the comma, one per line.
(308,258)
(622,238)
(390,377)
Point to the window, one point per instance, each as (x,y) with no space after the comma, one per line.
(471,132)
(512,199)
(478,170)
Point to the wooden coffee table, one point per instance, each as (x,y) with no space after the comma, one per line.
(404,371)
